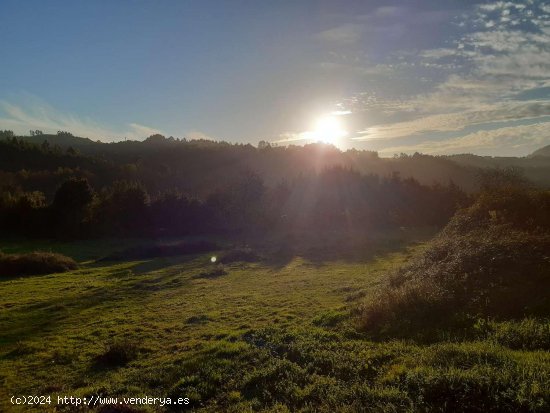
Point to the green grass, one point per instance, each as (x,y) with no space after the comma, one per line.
(260,337)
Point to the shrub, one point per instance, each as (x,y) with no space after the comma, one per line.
(35,263)
(117,354)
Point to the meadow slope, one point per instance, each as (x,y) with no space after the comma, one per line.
(258,336)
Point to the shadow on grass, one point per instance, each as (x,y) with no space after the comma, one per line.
(32,319)
(157,250)
(320,249)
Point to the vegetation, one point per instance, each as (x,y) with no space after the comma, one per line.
(490,261)
(267,338)
(324,201)
(34,263)
(318,292)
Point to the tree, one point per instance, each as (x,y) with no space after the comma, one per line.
(156,138)
(493,179)
(247,196)
(264,145)
(123,209)
(22,212)
(71,207)
(73,195)
(71,151)
(6,134)
(64,133)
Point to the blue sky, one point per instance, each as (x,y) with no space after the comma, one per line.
(430,76)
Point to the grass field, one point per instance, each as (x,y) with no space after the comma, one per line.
(256,337)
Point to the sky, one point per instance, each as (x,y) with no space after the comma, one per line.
(432,76)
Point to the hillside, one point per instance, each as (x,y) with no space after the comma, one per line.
(490,261)
(542,152)
(182,159)
(259,332)
(535,168)
(199,167)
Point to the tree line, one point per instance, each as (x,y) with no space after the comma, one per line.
(334,199)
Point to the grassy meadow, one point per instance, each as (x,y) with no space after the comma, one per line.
(275,206)
(263,335)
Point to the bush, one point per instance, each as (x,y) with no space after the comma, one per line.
(486,262)
(35,263)
(118,353)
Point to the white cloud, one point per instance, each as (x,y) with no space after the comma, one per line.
(348,33)
(513,140)
(385,21)
(492,67)
(39,115)
(457,121)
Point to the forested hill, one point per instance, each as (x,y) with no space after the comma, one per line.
(202,166)
(535,167)
(164,185)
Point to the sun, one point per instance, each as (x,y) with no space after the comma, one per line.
(329,129)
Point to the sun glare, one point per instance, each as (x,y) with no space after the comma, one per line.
(329,129)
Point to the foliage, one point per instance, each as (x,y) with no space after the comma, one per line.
(123,210)
(489,261)
(334,199)
(524,334)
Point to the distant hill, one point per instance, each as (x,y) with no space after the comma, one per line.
(201,165)
(198,166)
(536,168)
(63,140)
(545,151)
